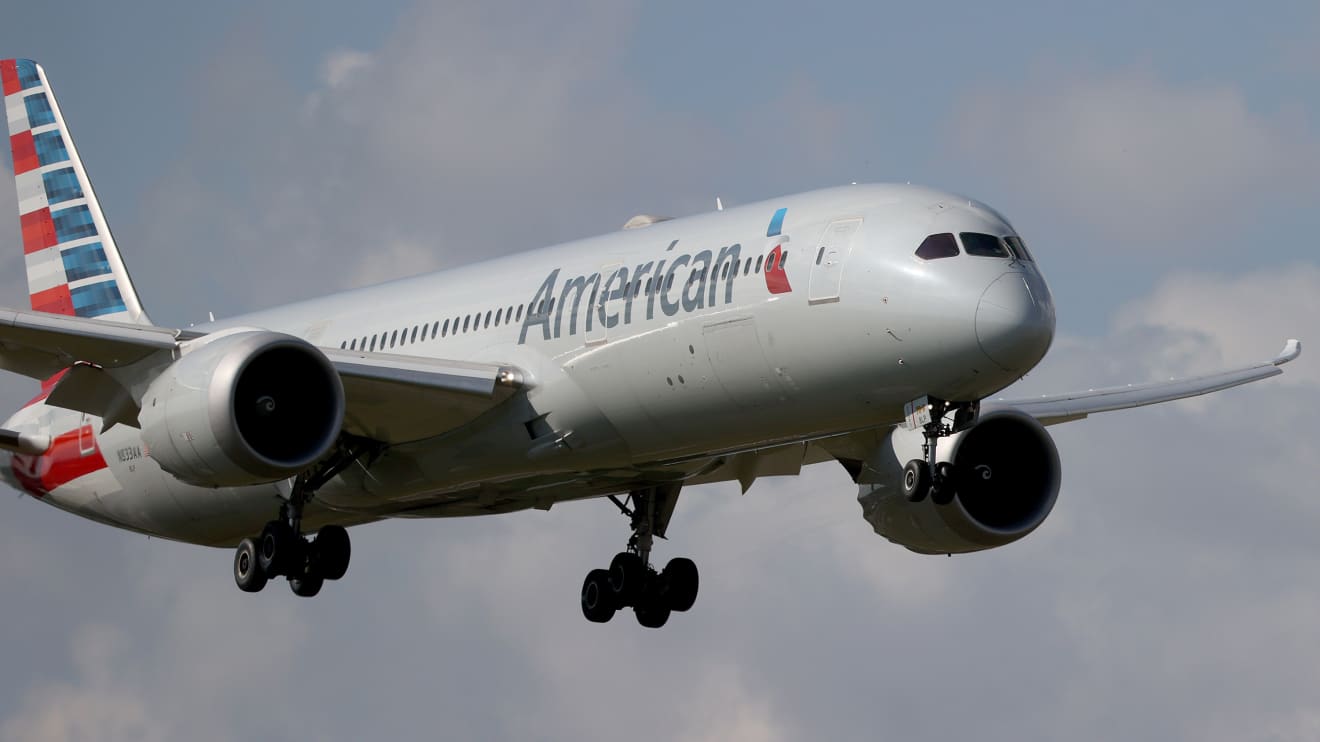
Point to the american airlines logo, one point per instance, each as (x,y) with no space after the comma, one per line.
(685,283)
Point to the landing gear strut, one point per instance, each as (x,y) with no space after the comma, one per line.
(631,581)
(283,551)
(928,475)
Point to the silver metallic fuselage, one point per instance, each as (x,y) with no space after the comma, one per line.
(855,328)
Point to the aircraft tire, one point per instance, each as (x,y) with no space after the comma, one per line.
(627,578)
(306,586)
(597,597)
(247,567)
(652,616)
(332,549)
(941,493)
(279,546)
(681,580)
(916,480)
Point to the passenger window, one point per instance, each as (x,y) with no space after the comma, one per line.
(435,329)
(488,313)
(364,342)
(373,343)
(444,329)
(343,345)
(821,252)
(747,269)
(648,285)
(1019,248)
(984,245)
(498,314)
(938,246)
(520,313)
(783,258)
(393,337)
(467,322)
(414,335)
(759,258)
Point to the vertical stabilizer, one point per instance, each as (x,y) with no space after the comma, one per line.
(73,266)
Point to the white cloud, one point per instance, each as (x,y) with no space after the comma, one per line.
(339,66)
(1235,318)
(1139,158)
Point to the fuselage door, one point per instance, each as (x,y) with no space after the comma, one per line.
(602,311)
(86,436)
(829,259)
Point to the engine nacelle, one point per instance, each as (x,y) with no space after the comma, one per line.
(243,408)
(1007,480)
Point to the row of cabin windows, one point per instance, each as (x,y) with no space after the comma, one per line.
(496,317)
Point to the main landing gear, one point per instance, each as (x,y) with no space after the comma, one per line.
(282,551)
(928,476)
(631,581)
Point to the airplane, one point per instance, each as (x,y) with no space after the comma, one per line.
(867,325)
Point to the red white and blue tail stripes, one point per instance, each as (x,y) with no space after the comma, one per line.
(73,266)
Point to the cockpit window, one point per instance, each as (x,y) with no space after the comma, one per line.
(938,246)
(1019,248)
(984,245)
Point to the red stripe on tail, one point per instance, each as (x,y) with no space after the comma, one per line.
(25,152)
(38,231)
(54,301)
(9,76)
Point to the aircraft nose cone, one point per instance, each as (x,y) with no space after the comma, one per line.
(1015,322)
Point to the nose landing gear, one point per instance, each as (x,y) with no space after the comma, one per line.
(631,581)
(928,475)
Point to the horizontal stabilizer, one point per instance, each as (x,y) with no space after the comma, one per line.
(28,443)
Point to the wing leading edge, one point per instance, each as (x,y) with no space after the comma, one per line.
(389,398)
(1061,408)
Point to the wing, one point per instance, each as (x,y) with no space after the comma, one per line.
(389,398)
(1061,408)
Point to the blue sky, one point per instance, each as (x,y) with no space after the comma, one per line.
(1161,161)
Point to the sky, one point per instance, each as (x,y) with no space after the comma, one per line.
(1162,161)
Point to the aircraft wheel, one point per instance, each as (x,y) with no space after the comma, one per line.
(279,548)
(247,567)
(306,586)
(680,580)
(332,550)
(916,480)
(627,575)
(652,616)
(597,597)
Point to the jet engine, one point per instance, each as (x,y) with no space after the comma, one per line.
(1005,476)
(242,408)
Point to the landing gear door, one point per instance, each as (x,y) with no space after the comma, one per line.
(829,259)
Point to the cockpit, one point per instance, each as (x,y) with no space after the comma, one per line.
(946,245)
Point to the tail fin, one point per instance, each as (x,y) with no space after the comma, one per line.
(73,266)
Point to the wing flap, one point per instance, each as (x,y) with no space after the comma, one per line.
(39,345)
(396,399)
(1059,408)
(390,398)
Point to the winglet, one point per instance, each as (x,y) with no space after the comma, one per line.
(1291,350)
